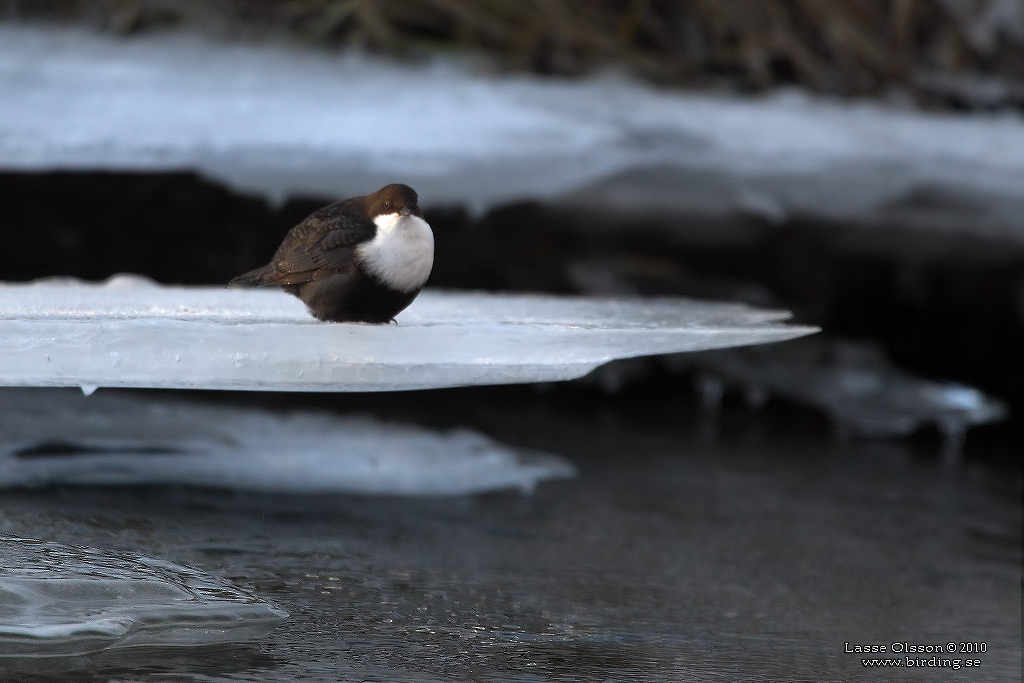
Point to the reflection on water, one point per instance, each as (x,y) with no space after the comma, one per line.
(752,556)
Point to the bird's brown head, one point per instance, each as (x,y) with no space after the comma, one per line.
(394,198)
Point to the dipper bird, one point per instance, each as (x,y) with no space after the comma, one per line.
(362,259)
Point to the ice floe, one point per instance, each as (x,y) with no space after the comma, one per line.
(53,436)
(863,393)
(57,599)
(130,332)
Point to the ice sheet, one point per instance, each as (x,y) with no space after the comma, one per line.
(130,332)
(57,599)
(281,121)
(53,436)
(862,392)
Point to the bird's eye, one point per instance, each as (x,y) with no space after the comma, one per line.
(387,205)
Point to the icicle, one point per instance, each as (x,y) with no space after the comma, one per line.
(954,433)
(711,390)
(755,396)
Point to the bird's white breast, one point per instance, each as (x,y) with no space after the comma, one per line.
(401,254)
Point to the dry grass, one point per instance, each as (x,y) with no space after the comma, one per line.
(838,46)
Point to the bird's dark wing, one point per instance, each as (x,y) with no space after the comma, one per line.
(321,245)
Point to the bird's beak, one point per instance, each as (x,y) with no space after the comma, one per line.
(405,211)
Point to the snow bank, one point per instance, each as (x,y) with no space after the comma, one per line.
(282,121)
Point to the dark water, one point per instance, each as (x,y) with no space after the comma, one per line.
(749,551)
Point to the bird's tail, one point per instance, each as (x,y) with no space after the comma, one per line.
(254,278)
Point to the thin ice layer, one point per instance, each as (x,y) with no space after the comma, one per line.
(57,599)
(61,437)
(130,332)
